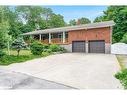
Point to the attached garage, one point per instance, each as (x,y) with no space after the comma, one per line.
(96,46)
(78,46)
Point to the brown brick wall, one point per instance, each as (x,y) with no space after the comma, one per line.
(90,34)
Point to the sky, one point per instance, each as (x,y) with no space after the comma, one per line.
(75,12)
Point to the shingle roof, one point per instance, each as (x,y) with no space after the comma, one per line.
(70,28)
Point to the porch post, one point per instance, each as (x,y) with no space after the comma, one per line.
(40,37)
(49,37)
(63,37)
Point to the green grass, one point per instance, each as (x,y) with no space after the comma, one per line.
(121,59)
(25,55)
(22,52)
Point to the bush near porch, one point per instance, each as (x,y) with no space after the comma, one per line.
(37,48)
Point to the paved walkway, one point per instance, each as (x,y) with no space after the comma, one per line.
(78,70)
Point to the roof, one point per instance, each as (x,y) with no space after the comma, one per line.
(70,28)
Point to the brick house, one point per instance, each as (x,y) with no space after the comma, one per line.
(88,38)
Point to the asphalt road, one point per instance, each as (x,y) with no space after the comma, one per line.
(13,80)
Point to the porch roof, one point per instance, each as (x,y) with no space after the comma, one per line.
(70,28)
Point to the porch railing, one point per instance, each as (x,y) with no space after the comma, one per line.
(55,41)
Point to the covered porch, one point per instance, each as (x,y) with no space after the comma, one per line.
(52,38)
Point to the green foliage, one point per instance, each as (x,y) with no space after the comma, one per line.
(56,21)
(36,48)
(72,22)
(100,19)
(119,15)
(24,56)
(44,54)
(84,20)
(62,49)
(46,46)
(19,44)
(9,59)
(54,47)
(2,53)
(122,76)
(49,50)
(4,28)
(124,38)
(22,19)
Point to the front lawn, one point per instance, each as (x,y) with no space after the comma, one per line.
(22,52)
(37,49)
(24,56)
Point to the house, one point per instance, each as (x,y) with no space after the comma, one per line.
(88,38)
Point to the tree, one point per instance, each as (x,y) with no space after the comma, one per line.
(56,21)
(29,15)
(124,38)
(72,22)
(100,19)
(84,20)
(19,44)
(4,28)
(119,15)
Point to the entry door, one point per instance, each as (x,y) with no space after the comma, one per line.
(97,46)
(78,46)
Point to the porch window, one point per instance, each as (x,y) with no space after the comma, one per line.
(36,37)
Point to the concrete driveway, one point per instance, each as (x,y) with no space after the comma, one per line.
(78,70)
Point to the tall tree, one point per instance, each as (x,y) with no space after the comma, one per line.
(100,19)
(29,15)
(56,21)
(119,15)
(84,20)
(72,22)
(4,27)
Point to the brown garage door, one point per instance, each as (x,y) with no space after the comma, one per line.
(97,46)
(78,46)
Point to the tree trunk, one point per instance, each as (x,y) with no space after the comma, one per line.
(18,52)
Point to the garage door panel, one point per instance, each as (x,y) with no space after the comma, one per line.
(78,46)
(97,46)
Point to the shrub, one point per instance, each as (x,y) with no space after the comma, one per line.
(122,76)
(36,48)
(2,53)
(54,48)
(124,39)
(48,50)
(62,49)
(46,46)
(44,54)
